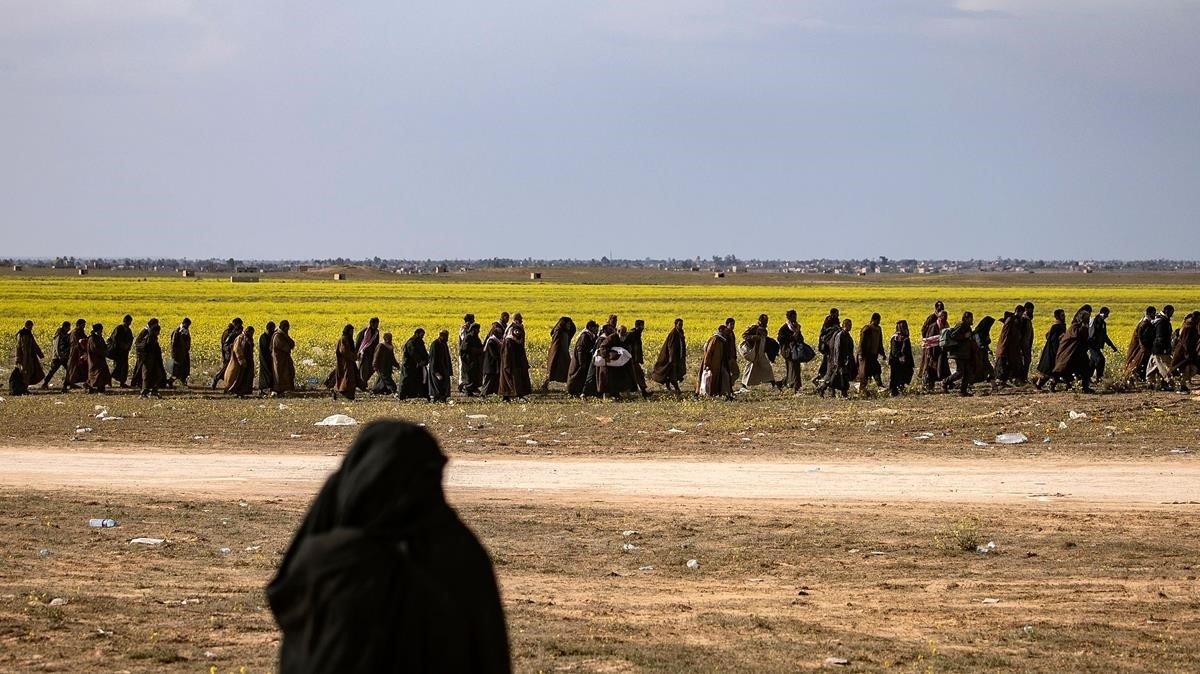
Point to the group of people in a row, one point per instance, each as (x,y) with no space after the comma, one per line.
(608,360)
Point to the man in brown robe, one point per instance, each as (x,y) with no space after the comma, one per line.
(97,358)
(344,380)
(558,363)
(731,353)
(282,345)
(228,336)
(29,356)
(514,363)
(715,378)
(365,343)
(1009,345)
(239,374)
(441,369)
(470,353)
(1185,359)
(1027,346)
(1138,353)
(637,352)
(266,368)
(492,352)
(581,359)
(385,365)
(181,353)
(153,372)
(935,362)
(120,341)
(671,365)
(77,365)
(870,354)
(139,345)
(1071,360)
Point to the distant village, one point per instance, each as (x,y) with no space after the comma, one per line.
(716,264)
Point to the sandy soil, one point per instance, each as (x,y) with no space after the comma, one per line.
(259,476)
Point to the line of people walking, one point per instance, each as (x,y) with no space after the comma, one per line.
(608,361)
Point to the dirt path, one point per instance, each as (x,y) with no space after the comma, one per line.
(271,475)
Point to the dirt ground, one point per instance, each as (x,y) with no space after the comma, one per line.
(867,550)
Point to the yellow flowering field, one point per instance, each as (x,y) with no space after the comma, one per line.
(318,309)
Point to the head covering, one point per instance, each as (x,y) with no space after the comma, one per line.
(382,575)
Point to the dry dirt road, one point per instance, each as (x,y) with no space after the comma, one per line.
(616,480)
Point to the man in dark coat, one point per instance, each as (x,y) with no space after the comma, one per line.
(1027,350)
(385,364)
(900,359)
(962,347)
(382,575)
(1158,368)
(181,353)
(413,362)
(470,355)
(1009,345)
(136,379)
(29,357)
(790,340)
(514,363)
(463,330)
(364,344)
(228,336)
(1048,359)
(266,361)
(62,353)
(935,361)
(1140,342)
(1071,361)
(77,365)
(870,354)
(840,370)
(558,363)
(99,376)
(581,359)
(441,368)
(344,378)
(282,345)
(637,352)
(1185,358)
(120,342)
(1098,339)
(715,379)
(493,347)
(239,374)
(829,328)
(671,365)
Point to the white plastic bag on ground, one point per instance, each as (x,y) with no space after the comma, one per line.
(1012,438)
(337,420)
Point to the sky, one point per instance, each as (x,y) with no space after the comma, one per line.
(638,128)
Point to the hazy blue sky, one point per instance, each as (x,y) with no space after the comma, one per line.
(840,128)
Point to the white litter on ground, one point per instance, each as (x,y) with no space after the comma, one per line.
(146,541)
(337,420)
(1012,438)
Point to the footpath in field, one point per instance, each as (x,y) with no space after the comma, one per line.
(273,475)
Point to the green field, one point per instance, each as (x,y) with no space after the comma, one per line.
(318,308)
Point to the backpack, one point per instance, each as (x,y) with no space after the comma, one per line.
(946,339)
(802,352)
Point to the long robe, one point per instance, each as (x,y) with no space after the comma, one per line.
(281,359)
(671,365)
(558,363)
(870,350)
(345,373)
(935,362)
(181,353)
(470,357)
(715,378)
(119,344)
(414,360)
(492,351)
(581,360)
(1027,346)
(1047,360)
(136,377)
(382,576)
(611,379)
(77,368)
(514,364)
(981,363)
(385,364)
(239,373)
(1137,355)
(758,366)
(1008,363)
(1186,347)
(829,328)
(441,370)
(1071,358)
(154,373)
(99,376)
(900,362)
(365,344)
(841,370)
(228,336)
(266,361)
(29,357)
(789,336)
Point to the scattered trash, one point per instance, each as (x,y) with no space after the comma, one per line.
(984,549)
(629,532)
(1012,438)
(243,504)
(295,436)
(693,564)
(59,601)
(646,568)
(1077,415)
(884,411)
(1046,440)
(477,416)
(199,437)
(852,551)
(675,430)
(1181,451)
(44,552)
(923,436)
(337,420)
(147,541)
(225,551)
(1062,425)
(210,655)
(85,429)
(991,600)
(253,548)
(531,442)
(59,402)
(283,406)
(309,362)
(836,662)
(102,523)
(628,547)
(979,443)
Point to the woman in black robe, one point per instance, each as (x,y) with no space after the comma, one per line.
(900,360)
(1045,366)
(154,373)
(266,360)
(982,368)
(99,376)
(558,363)
(841,369)
(412,367)
(470,354)
(382,575)
(514,362)
(492,348)
(385,364)
(581,359)
(120,342)
(441,368)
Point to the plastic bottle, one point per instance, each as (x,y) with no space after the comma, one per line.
(102,523)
